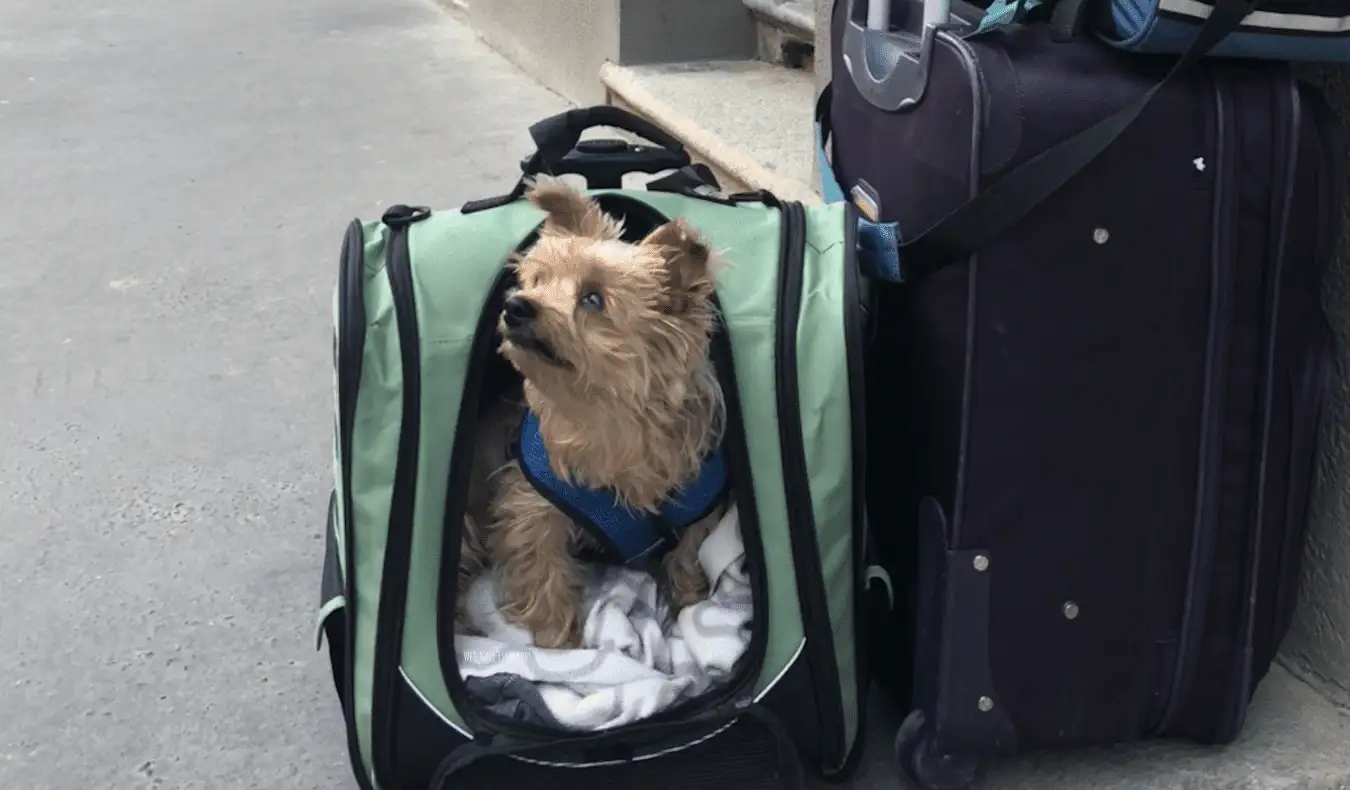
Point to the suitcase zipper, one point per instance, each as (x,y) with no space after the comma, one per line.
(797,491)
(1310,403)
(349,347)
(1287,106)
(1317,381)
(398,543)
(1212,411)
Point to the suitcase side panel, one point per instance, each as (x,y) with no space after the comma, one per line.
(1083,458)
(1250,143)
(1270,459)
(1119,523)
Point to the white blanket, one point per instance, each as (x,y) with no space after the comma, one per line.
(629,666)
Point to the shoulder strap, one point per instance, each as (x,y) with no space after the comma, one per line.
(1004,203)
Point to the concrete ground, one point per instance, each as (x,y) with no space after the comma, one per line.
(175,179)
(174,183)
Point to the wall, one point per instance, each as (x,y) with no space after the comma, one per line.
(563,43)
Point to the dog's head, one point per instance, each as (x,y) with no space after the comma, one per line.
(594,315)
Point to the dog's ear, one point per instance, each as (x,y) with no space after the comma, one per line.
(570,212)
(685,261)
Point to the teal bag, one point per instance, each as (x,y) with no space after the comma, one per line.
(415,314)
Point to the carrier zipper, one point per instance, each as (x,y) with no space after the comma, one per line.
(348,351)
(797,492)
(1212,413)
(398,543)
(457,497)
(726,702)
(854,332)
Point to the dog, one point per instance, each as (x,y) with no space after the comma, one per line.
(621,402)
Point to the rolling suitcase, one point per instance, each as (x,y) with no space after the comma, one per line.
(1105,368)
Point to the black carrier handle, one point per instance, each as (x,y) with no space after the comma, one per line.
(603,163)
(556,136)
(559,150)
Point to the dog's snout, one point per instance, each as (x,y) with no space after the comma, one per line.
(518,310)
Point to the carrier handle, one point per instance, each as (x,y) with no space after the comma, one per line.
(556,136)
(790,772)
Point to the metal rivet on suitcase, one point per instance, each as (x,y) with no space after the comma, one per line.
(1070,609)
(986,704)
(1101,235)
(981,563)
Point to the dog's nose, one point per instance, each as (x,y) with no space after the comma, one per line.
(518,310)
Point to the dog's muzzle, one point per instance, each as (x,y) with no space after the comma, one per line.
(518,320)
(519,312)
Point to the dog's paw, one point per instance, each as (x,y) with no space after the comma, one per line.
(687,588)
(558,636)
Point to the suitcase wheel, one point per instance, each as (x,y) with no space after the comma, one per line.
(925,768)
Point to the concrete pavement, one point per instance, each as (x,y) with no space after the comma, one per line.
(175,179)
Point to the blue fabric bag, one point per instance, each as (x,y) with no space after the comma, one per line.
(1312,30)
(1289,30)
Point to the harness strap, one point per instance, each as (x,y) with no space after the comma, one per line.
(628,535)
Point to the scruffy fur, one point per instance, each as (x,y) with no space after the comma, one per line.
(615,365)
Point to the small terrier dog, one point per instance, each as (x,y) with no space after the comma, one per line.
(612,341)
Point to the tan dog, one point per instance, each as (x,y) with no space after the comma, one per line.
(612,342)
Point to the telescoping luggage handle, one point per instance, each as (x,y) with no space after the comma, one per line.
(1005,202)
(890,67)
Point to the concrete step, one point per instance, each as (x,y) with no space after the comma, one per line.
(750,121)
(787,31)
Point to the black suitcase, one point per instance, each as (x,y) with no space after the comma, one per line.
(1092,440)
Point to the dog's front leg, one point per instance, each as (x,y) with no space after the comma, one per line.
(533,545)
(684,571)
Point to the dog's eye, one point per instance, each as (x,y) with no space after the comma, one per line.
(592,300)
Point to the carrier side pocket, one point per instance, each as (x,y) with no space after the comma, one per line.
(332,625)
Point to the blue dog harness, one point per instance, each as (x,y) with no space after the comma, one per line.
(628,535)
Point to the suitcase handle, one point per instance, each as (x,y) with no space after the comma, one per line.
(1005,202)
(1019,191)
(890,67)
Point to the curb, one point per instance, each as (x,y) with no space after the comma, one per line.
(736,168)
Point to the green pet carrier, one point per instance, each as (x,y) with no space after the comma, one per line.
(415,315)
